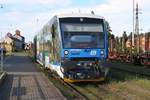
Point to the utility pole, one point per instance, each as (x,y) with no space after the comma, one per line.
(137,29)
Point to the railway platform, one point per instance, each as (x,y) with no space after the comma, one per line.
(25,82)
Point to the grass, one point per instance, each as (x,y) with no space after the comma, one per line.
(122,86)
(118,75)
(132,86)
(130,89)
(144,83)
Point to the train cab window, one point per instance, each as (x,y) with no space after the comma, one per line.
(83,35)
(101,40)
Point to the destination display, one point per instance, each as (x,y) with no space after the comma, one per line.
(82,27)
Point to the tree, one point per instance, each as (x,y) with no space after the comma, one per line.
(117,43)
(125,38)
(130,37)
(111,44)
(109,35)
(108,30)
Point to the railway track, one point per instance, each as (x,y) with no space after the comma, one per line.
(83,90)
(138,70)
(87,91)
(98,91)
(75,89)
(92,91)
(102,91)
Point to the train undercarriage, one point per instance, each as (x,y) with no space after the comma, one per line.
(138,59)
(77,70)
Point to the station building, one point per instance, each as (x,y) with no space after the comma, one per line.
(13,42)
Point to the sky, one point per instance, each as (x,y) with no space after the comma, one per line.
(30,15)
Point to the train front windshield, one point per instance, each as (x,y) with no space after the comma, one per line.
(82,35)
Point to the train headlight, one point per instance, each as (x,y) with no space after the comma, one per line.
(78,64)
(66,52)
(90,64)
(102,52)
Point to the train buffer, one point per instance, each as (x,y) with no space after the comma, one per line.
(25,82)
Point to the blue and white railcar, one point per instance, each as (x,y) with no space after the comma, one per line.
(74,45)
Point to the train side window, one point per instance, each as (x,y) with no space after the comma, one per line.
(53,31)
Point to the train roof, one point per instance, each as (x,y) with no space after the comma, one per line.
(79,15)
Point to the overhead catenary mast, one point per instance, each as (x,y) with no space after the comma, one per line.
(137,28)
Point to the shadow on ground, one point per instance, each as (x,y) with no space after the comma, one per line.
(19,64)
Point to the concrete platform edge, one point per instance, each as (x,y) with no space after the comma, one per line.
(2,77)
